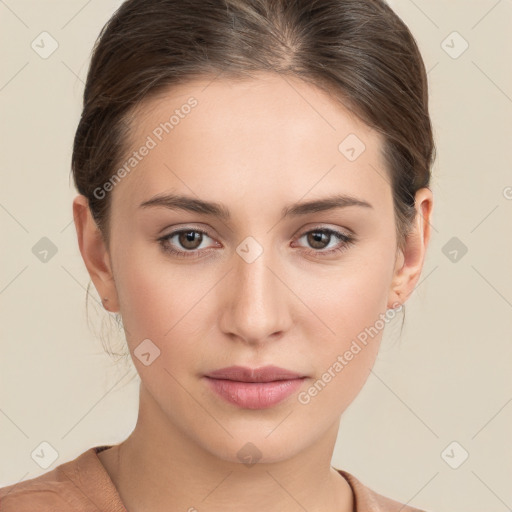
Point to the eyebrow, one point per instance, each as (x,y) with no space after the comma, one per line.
(218,210)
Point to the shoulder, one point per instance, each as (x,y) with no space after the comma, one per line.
(31,495)
(367,500)
(70,486)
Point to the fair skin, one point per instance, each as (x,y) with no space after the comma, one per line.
(255,147)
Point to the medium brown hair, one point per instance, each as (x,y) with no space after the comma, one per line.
(359,51)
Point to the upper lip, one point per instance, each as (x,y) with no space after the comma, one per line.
(263,374)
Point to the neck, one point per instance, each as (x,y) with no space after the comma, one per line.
(160,468)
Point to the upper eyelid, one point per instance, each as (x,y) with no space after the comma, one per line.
(317,227)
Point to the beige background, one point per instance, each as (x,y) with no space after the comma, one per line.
(446,379)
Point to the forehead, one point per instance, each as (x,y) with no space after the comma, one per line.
(263,136)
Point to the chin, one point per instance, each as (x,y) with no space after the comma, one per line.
(252,446)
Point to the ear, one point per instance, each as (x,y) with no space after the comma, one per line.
(94,253)
(409,262)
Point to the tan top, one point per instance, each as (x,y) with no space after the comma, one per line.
(83,485)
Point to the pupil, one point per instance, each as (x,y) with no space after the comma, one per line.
(188,239)
(317,239)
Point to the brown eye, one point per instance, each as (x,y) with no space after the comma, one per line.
(190,239)
(185,243)
(318,239)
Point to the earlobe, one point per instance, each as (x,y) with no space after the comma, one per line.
(94,253)
(409,262)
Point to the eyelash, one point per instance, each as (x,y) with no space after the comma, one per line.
(346,242)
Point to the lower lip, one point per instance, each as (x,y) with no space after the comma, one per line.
(254,395)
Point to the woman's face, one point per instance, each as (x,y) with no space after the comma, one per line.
(258,287)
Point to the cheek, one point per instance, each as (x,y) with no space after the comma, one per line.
(342,361)
(350,297)
(157,299)
(353,310)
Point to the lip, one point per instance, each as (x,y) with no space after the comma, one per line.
(254,388)
(245,374)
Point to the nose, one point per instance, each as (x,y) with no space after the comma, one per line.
(256,300)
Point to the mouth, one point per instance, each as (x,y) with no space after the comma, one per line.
(263,374)
(254,388)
